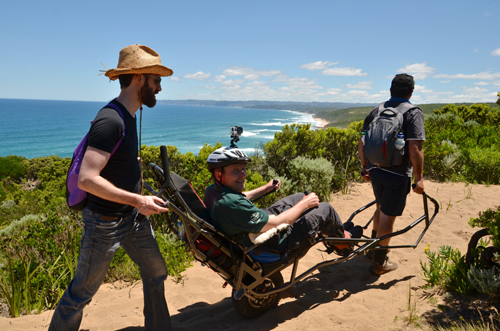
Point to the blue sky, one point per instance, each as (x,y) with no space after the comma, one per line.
(334,51)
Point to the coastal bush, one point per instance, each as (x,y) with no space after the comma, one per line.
(485,281)
(447,270)
(482,165)
(12,166)
(338,146)
(38,253)
(461,150)
(480,113)
(39,235)
(314,175)
(341,149)
(490,218)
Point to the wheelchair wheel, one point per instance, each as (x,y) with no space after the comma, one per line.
(253,307)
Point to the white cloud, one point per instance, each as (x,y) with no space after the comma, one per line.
(231,84)
(475,90)
(422,89)
(418,70)
(343,72)
(252,77)
(200,75)
(358,94)
(366,85)
(497,83)
(482,75)
(219,78)
(481,83)
(303,83)
(333,91)
(257,83)
(444,81)
(496,52)
(174,79)
(318,65)
(245,71)
(208,87)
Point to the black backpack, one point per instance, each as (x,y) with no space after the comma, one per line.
(381,135)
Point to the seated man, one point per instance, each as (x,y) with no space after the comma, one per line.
(233,213)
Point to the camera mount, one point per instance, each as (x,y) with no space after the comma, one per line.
(236,132)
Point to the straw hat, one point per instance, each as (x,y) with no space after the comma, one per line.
(138,59)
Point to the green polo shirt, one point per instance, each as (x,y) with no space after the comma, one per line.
(233,214)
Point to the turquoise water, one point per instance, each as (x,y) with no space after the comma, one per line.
(35,128)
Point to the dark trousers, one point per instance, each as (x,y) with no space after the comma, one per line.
(322,220)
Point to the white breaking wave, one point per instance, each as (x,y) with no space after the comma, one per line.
(268,124)
(248,150)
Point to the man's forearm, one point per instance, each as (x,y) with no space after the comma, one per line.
(255,193)
(416,153)
(361,153)
(104,189)
(289,216)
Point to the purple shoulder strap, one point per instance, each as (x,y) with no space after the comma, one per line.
(115,107)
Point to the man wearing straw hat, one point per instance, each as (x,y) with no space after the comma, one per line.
(115,213)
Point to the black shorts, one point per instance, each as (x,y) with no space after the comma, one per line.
(390,191)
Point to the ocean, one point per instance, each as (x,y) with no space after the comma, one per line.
(36,128)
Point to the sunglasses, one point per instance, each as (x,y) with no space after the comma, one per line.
(156,79)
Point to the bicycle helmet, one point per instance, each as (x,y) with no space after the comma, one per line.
(225,156)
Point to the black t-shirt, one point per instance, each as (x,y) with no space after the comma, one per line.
(413,129)
(122,169)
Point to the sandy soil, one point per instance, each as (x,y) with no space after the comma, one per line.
(347,297)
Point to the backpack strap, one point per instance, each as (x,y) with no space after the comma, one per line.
(405,107)
(115,107)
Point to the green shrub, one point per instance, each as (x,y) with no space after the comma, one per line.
(480,113)
(447,270)
(489,219)
(482,165)
(12,166)
(38,254)
(312,175)
(338,146)
(485,281)
(460,150)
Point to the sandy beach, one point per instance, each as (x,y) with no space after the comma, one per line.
(322,122)
(347,297)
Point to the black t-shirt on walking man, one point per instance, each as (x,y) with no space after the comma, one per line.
(122,169)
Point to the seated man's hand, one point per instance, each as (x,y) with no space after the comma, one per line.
(274,186)
(311,200)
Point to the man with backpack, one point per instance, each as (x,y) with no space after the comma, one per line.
(115,212)
(390,149)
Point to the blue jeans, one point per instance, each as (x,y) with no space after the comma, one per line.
(100,241)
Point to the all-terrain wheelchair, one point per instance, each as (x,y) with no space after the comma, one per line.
(255,276)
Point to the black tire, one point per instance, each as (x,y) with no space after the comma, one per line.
(251,308)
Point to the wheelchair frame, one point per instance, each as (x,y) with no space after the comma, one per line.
(257,287)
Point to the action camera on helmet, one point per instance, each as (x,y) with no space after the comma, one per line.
(236,132)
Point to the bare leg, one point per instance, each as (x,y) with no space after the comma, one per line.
(386,225)
(376,218)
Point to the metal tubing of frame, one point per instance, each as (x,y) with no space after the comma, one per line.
(426,210)
(360,210)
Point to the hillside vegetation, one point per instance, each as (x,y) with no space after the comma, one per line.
(341,118)
(39,234)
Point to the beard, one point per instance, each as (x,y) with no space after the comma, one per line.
(148,96)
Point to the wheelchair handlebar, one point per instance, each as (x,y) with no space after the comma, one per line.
(166,169)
